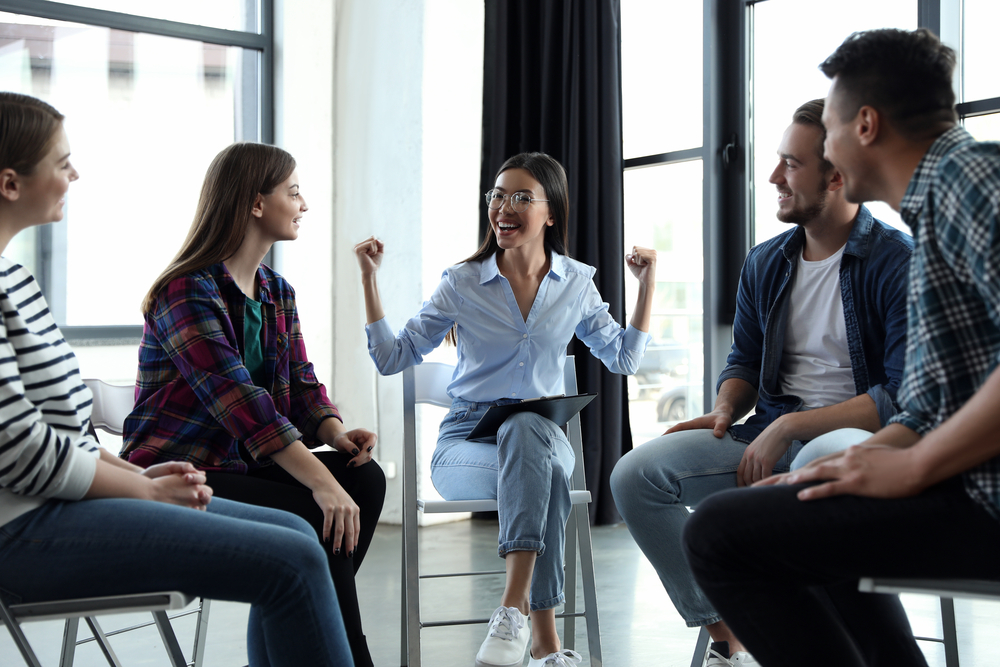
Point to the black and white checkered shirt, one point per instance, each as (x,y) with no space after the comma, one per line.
(953,207)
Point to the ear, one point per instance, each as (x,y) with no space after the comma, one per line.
(836,181)
(258,206)
(867,125)
(10,184)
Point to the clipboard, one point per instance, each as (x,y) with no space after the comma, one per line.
(558,409)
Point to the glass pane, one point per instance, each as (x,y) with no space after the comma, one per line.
(660,210)
(984,128)
(790,40)
(144,115)
(661,76)
(227,14)
(980,50)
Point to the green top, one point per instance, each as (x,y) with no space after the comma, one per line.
(253,353)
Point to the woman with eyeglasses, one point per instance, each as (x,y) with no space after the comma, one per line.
(225,384)
(511,309)
(69,508)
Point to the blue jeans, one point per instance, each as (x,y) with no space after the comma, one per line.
(829,443)
(267,558)
(653,484)
(529,473)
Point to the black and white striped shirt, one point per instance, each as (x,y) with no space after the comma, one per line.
(45,451)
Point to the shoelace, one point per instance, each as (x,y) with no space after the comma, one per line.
(503,625)
(562,659)
(720,656)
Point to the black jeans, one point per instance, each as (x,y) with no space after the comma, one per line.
(273,487)
(784,573)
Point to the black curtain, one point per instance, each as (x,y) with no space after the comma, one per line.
(551,83)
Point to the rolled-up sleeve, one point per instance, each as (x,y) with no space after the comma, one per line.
(620,350)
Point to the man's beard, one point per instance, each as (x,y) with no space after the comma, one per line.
(802,216)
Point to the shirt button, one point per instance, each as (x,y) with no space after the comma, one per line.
(524,336)
(513,393)
(521,364)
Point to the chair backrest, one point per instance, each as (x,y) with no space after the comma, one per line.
(428,383)
(112,404)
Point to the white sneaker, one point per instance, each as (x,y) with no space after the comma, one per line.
(508,637)
(718,656)
(565,658)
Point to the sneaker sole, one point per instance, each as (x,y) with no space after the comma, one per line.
(479,663)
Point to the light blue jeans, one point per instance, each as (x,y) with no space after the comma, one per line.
(237,552)
(653,485)
(529,473)
(829,443)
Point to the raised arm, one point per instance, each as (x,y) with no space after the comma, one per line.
(369,254)
(642,263)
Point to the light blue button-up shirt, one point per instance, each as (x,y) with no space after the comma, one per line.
(500,355)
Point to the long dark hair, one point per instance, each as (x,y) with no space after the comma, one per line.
(552,177)
(28,127)
(234,179)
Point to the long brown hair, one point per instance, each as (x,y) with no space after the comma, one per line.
(552,177)
(234,179)
(28,127)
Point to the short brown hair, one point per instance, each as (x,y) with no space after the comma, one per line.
(811,113)
(27,128)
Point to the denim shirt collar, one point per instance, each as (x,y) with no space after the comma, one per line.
(488,270)
(857,242)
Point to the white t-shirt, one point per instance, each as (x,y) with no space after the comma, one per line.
(815,359)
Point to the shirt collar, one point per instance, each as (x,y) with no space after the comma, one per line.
(225,281)
(488,268)
(857,242)
(916,192)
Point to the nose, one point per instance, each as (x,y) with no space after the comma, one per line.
(505,201)
(302,204)
(73,174)
(778,175)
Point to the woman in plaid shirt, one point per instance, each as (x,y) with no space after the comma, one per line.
(224,381)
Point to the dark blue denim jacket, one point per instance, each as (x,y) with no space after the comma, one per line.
(873,285)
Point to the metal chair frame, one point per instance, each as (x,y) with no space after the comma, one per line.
(427,383)
(112,404)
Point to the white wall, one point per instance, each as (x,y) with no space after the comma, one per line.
(381,105)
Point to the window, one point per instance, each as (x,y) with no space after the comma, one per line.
(148,104)
(662,111)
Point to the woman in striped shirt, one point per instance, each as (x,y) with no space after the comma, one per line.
(68,507)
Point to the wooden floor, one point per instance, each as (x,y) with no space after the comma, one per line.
(639,626)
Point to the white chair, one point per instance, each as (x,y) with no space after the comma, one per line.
(112,404)
(427,383)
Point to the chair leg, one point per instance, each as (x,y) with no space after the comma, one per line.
(170,643)
(102,642)
(569,585)
(589,588)
(68,652)
(19,639)
(200,634)
(402,597)
(950,634)
(700,648)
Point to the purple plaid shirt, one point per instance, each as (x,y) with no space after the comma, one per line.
(195,400)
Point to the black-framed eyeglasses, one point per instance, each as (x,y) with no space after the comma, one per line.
(519,201)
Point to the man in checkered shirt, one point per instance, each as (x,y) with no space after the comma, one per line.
(921,497)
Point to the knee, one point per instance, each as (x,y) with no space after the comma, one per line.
(521,425)
(371,478)
(624,475)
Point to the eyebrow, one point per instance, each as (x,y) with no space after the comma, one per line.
(789,156)
(528,190)
(293,185)
(64,157)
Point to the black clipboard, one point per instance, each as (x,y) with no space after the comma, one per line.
(558,409)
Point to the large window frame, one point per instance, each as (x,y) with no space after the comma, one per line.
(727,153)
(256,106)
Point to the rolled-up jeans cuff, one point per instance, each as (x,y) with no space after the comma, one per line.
(707,621)
(521,545)
(548,604)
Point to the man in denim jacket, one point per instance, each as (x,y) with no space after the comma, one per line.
(818,345)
